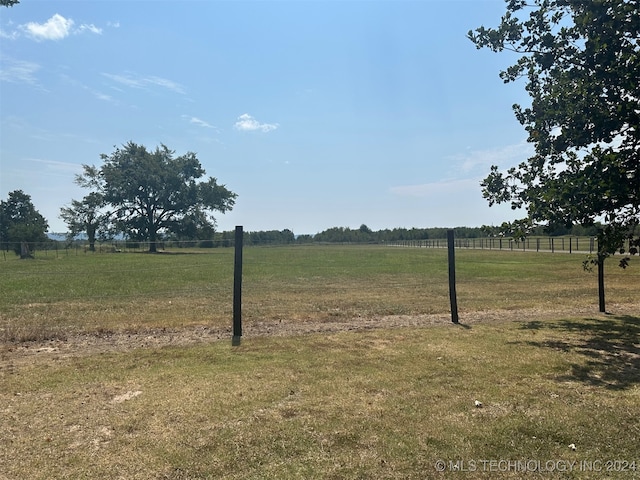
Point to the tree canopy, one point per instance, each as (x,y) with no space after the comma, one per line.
(581,61)
(150,193)
(21,225)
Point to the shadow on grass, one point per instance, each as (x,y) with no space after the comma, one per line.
(611,347)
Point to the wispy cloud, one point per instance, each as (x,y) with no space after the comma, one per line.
(96,93)
(56,166)
(138,81)
(470,168)
(89,28)
(163,82)
(246,123)
(125,80)
(199,122)
(508,155)
(18,71)
(437,190)
(12,35)
(55,28)
(51,167)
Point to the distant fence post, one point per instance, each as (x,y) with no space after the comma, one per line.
(452,277)
(237,288)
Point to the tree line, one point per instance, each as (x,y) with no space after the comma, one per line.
(23,229)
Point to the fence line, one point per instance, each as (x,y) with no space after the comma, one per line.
(572,244)
(79,247)
(537,244)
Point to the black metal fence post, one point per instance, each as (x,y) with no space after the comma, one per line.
(237,288)
(452,277)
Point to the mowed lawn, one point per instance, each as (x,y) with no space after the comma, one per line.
(384,403)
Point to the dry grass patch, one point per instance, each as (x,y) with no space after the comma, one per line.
(375,404)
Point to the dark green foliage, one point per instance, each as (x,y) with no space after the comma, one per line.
(153,193)
(581,60)
(365,235)
(86,216)
(21,225)
(271,237)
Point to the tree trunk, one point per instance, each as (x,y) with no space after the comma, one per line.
(24,250)
(91,233)
(601,282)
(153,248)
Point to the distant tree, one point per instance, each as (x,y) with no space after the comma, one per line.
(270,237)
(304,238)
(21,225)
(153,192)
(582,64)
(87,215)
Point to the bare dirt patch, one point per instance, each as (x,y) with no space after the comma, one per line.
(13,355)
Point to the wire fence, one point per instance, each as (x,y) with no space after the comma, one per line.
(113,288)
(536,244)
(568,244)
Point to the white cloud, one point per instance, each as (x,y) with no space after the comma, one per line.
(56,28)
(136,81)
(246,123)
(18,71)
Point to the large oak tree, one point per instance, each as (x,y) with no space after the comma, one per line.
(155,192)
(581,62)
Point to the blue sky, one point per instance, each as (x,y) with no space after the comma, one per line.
(316,113)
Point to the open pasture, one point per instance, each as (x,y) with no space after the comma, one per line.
(57,295)
(374,403)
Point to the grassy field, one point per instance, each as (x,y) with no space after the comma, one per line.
(395,403)
(57,295)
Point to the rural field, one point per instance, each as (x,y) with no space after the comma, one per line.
(122,366)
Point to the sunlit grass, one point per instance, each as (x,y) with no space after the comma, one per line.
(378,404)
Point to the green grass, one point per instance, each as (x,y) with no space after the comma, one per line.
(380,404)
(55,295)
